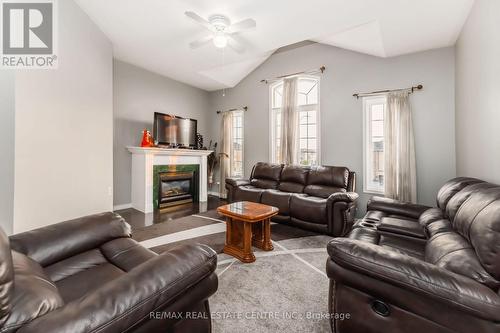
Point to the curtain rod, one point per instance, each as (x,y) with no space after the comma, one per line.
(412,89)
(245,108)
(313,71)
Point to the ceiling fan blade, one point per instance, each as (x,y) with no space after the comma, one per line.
(235,45)
(242,25)
(201,41)
(199,19)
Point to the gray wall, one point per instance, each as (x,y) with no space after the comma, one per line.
(7,133)
(64,128)
(478,93)
(137,95)
(341,114)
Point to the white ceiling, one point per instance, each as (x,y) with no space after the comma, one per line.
(155,34)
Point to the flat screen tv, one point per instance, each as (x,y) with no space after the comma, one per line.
(173,131)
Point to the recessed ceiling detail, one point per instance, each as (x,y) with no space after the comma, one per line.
(155,34)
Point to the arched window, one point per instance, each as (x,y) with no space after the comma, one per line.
(309,126)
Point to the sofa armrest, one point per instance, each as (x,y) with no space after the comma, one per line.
(58,241)
(395,207)
(127,301)
(343,197)
(438,284)
(237,182)
(342,208)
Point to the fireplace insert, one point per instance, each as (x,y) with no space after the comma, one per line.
(175,188)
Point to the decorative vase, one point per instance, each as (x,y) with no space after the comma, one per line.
(147,139)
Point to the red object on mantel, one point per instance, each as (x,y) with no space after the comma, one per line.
(147,139)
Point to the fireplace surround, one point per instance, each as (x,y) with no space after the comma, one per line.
(147,161)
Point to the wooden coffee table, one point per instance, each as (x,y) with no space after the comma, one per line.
(248,223)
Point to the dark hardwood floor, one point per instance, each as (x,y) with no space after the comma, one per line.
(139,220)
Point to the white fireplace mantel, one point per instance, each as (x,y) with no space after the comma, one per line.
(143,160)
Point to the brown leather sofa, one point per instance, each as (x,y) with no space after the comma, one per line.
(413,268)
(88,275)
(321,199)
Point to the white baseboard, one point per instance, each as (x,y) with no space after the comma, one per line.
(124,206)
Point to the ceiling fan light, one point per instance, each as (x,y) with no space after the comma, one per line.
(220,40)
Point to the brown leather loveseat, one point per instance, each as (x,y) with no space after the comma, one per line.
(88,275)
(412,268)
(320,198)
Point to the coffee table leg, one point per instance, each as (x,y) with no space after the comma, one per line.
(268,244)
(262,235)
(248,255)
(239,240)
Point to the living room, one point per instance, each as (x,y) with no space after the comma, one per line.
(249,166)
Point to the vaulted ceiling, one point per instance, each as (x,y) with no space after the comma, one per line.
(155,34)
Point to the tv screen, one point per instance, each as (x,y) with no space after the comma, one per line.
(173,131)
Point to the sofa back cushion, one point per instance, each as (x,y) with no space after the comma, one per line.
(326,180)
(451,251)
(34,294)
(266,175)
(462,196)
(478,221)
(293,178)
(452,187)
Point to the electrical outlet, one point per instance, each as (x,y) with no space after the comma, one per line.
(110,190)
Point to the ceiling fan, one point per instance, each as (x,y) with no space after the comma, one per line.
(222,31)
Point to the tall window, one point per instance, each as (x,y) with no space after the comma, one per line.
(374,109)
(309,126)
(237,146)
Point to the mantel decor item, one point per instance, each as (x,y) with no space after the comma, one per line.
(199,141)
(212,161)
(147,139)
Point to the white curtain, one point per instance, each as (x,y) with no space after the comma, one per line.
(289,122)
(225,155)
(400,167)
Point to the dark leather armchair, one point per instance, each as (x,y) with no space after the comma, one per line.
(445,278)
(321,198)
(88,275)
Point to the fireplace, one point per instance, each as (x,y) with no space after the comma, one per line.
(175,188)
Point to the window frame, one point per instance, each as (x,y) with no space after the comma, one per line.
(232,155)
(369,101)
(307,107)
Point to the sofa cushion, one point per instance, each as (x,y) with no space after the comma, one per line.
(325,180)
(374,215)
(247,193)
(462,196)
(478,221)
(452,187)
(309,208)
(266,175)
(405,227)
(93,268)
(429,216)
(278,199)
(453,252)
(74,265)
(126,253)
(293,178)
(413,248)
(437,227)
(264,183)
(34,294)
